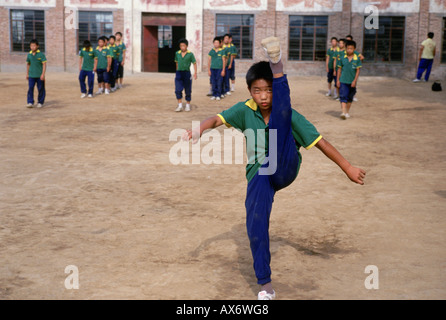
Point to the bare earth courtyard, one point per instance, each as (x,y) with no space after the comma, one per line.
(89,183)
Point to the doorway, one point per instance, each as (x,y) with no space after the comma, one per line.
(161,33)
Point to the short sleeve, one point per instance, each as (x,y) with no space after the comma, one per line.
(43,58)
(28,60)
(235,116)
(359,64)
(304,132)
(193,58)
(124,47)
(339,62)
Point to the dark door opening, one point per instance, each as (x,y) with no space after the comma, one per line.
(161,33)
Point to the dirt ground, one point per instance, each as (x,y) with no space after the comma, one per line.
(89,183)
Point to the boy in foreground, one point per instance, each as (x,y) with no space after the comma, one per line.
(270,108)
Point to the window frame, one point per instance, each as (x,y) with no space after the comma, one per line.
(228,28)
(90,21)
(314,37)
(25,46)
(443,47)
(403,56)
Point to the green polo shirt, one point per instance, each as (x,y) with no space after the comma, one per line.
(88,59)
(348,72)
(122,49)
(185,62)
(216,58)
(102,57)
(115,52)
(36,63)
(247,115)
(342,53)
(332,54)
(227,53)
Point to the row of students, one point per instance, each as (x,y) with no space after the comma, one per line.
(107,60)
(343,65)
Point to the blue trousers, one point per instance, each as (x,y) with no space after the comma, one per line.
(262,188)
(217,82)
(113,74)
(40,87)
(183,81)
(84,74)
(225,86)
(346,93)
(425,65)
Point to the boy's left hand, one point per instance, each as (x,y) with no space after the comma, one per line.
(356,175)
(42,77)
(354,84)
(195,76)
(223,73)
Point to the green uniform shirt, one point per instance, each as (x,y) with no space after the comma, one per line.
(227,53)
(247,115)
(341,53)
(122,49)
(348,72)
(332,54)
(102,57)
(184,62)
(88,59)
(36,64)
(216,58)
(115,52)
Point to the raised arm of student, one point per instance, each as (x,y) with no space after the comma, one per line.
(356,175)
(195,133)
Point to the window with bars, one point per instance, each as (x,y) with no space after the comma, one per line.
(443,51)
(241,27)
(385,44)
(308,38)
(93,24)
(27,25)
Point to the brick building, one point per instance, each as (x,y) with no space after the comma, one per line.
(152,28)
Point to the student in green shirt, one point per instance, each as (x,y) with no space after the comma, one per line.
(102,66)
(183,78)
(122,50)
(349,66)
(115,53)
(277,164)
(86,66)
(216,70)
(35,74)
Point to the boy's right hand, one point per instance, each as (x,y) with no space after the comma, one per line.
(191,135)
(27,77)
(209,73)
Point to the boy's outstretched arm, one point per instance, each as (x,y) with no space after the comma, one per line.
(209,123)
(356,175)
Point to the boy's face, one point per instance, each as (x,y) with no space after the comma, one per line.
(226,40)
(183,47)
(350,50)
(262,93)
(217,44)
(341,44)
(112,41)
(101,43)
(118,37)
(34,47)
(334,43)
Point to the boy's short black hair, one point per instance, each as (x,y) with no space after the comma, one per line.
(349,36)
(343,40)
(259,70)
(118,33)
(430,35)
(217,39)
(350,43)
(113,37)
(105,38)
(227,35)
(87,44)
(101,38)
(34,41)
(334,38)
(183,41)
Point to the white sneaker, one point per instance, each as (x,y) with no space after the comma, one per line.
(335,97)
(271,46)
(222,96)
(263,295)
(228,93)
(232,89)
(90,96)
(39,105)
(213,98)
(416,80)
(347,116)
(112,89)
(179,108)
(83,95)
(30,105)
(355,100)
(343,116)
(328,94)
(187,108)
(218,99)
(99,92)
(119,86)
(210,93)
(107,92)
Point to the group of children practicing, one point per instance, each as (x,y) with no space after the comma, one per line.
(274,166)
(221,70)
(343,64)
(107,60)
